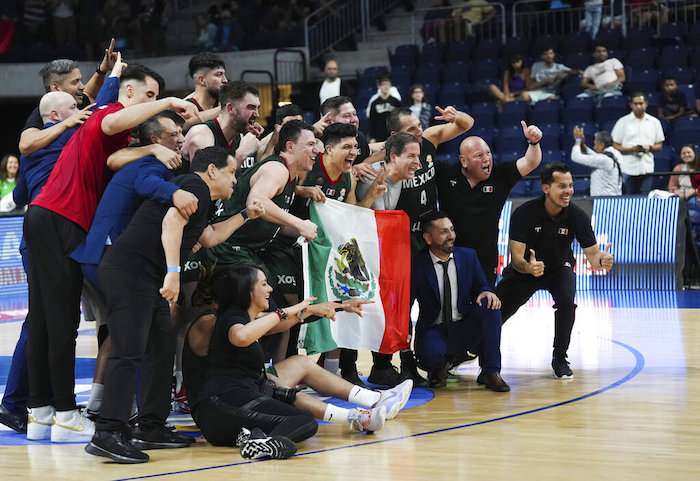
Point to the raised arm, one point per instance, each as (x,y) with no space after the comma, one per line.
(134,115)
(457,123)
(533,154)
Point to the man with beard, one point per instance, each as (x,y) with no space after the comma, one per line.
(456,307)
(541,232)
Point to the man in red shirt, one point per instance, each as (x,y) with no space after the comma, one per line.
(55,223)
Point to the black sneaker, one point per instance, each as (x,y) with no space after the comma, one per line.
(16,422)
(389,376)
(113,445)
(162,437)
(409,368)
(561,368)
(352,376)
(260,445)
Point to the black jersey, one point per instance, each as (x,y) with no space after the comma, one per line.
(549,237)
(256,233)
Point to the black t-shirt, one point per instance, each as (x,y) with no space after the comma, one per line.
(364,147)
(378,113)
(232,367)
(673,105)
(34,120)
(550,238)
(139,248)
(475,211)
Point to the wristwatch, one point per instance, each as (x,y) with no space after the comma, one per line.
(98,71)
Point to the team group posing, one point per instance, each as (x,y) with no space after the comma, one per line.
(176,243)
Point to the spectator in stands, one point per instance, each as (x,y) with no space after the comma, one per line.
(642,12)
(64,21)
(9,171)
(394,92)
(438,24)
(547,76)
(206,33)
(419,106)
(606,177)
(230,34)
(380,109)
(672,103)
(637,136)
(514,81)
(604,78)
(592,14)
(333,85)
(116,17)
(681,185)
(469,14)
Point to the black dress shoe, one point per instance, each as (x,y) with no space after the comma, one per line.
(16,422)
(409,368)
(351,375)
(113,445)
(161,437)
(437,378)
(493,381)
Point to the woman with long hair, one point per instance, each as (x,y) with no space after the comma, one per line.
(419,105)
(514,81)
(682,185)
(9,173)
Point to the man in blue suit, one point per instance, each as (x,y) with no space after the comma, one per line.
(457,310)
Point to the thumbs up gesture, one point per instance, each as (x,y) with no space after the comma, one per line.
(535,267)
(606,258)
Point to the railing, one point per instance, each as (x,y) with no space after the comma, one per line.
(531,18)
(457,24)
(338,20)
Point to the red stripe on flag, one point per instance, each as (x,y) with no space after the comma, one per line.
(394,233)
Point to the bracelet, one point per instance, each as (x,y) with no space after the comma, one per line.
(533,143)
(98,71)
(281,314)
(173,268)
(244,214)
(577,140)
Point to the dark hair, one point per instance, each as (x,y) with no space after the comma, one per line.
(56,71)
(416,87)
(696,160)
(289,110)
(396,144)
(233,285)
(598,44)
(546,48)
(604,138)
(205,60)
(215,154)
(3,166)
(382,77)
(334,103)
(232,92)
(291,131)
(151,127)
(393,121)
(516,57)
(137,71)
(334,133)
(638,93)
(174,116)
(427,220)
(547,173)
(670,77)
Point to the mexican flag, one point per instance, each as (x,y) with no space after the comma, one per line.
(363,253)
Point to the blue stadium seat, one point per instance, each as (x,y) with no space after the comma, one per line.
(578,60)
(690,124)
(506,156)
(641,58)
(608,125)
(550,130)
(582,187)
(542,41)
(484,70)
(550,142)
(486,133)
(578,110)
(402,70)
(512,131)
(511,144)
(372,72)
(612,108)
(450,96)
(673,32)
(404,54)
(663,162)
(609,38)
(637,37)
(427,74)
(680,137)
(577,169)
(552,156)
(484,114)
(431,53)
(487,49)
(521,188)
(646,80)
(567,137)
(683,75)
(455,72)
(517,45)
(458,52)
(575,42)
(545,112)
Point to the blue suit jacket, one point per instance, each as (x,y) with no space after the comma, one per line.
(143,178)
(471,282)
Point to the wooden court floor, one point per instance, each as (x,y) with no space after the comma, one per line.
(632,412)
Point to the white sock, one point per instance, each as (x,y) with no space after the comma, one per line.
(64,417)
(335,414)
(95,402)
(42,412)
(331,365)
(363,397)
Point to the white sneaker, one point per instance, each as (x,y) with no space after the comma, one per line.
(39,422)
(368,420)
(395,398)
(72,427)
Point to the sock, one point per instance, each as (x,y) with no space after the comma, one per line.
(363,397)
(64,417)
(331,365)
(335,414)
(42,412)
(95,402)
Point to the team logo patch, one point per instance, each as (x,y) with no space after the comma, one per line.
(330,192)
(488,189)
(429,160)
(453,183)
(342,194)
(538,228)
(563,231)
(348,275)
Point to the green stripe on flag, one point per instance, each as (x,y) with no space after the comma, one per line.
(319,337)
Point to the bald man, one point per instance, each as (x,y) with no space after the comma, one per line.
(473,192)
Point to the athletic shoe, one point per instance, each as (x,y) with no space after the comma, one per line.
(369,420)
(16,422)
(243,436)
(385,377)
(464,358)
(409,368)
(179,402)
(39,422)
(161,437)
(561,368)
(260,445)
(352,376)
(396,398)
(77,428)
(113,445)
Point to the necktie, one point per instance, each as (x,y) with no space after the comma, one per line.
(446,293)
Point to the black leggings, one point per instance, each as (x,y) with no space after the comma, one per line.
(221,419)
